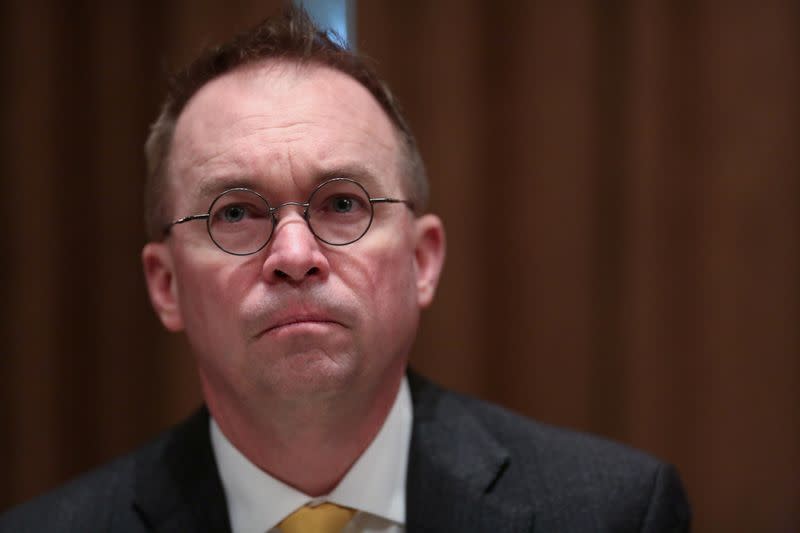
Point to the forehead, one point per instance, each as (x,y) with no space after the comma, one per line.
(281,126)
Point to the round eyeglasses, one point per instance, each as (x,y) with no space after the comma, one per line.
(240,221)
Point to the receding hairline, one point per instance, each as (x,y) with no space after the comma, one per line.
(278,66)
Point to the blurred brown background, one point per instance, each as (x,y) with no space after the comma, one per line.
(621,185)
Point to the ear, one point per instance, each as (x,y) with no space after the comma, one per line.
(160,276)
(429,256)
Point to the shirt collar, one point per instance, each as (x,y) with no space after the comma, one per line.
(376,483)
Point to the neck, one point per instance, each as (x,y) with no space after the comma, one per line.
(307,445)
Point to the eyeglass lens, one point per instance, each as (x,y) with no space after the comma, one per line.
(241,221)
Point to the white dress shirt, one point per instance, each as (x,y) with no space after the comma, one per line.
(375,485)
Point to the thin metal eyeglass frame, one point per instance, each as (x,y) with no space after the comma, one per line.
(272,210)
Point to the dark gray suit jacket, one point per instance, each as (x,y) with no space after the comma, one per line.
(473,467)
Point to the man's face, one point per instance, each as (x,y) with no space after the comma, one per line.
(300,318)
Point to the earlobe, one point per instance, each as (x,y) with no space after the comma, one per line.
(429,257)
(160,278)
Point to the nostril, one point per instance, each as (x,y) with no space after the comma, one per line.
(280,274)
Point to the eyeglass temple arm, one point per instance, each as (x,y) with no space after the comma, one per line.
(408,203)
(168,227)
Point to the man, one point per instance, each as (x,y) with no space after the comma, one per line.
(284,206)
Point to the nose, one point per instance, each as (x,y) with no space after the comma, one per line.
(294,255)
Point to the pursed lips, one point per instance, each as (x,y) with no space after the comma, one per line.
(312,318)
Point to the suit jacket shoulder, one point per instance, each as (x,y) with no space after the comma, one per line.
(169,485)
(84,504)
(504,472)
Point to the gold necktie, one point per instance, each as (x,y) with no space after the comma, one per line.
(324,518)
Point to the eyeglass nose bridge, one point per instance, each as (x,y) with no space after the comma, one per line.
(274,210)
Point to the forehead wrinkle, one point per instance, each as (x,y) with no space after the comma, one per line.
(232,140)
(230,169)
(230,166)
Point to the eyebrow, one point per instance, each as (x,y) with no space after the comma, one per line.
(212,186)
(355,172)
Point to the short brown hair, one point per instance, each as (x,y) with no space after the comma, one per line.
(292,36)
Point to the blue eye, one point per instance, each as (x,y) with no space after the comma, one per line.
(234,213)
(342,204)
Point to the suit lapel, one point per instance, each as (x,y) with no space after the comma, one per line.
(453,465)
(177,484)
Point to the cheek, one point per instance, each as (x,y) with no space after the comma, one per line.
(210,293)
(387,291)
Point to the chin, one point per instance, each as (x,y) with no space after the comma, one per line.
(313,372)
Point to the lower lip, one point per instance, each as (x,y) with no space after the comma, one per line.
(304,327)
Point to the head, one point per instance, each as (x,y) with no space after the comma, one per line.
(280,110)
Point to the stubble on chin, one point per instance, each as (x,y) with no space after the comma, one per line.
(304,368)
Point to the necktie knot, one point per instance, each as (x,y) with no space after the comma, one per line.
(323,518)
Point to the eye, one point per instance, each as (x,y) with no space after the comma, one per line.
(339,200)
(341,204)
(233,213)
(237,213)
